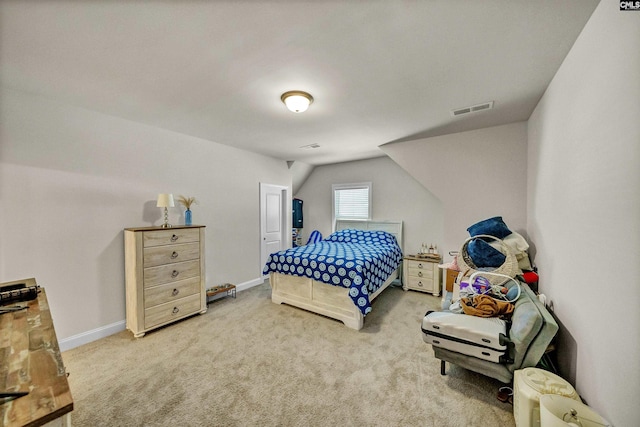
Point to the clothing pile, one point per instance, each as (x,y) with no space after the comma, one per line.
(491,262)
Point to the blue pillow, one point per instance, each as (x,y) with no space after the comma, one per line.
(493,227)
(314,237)
(375,237)
(484,255)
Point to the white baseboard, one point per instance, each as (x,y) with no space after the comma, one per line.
(250,284)
(104,331)
(89,336)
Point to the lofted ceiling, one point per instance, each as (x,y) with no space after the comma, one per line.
(380,71)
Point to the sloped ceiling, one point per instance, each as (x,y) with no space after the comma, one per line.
(380,71)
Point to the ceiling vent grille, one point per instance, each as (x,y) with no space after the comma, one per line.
(472,109)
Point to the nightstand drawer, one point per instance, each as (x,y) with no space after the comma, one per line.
(420,284)
(171,273)
(420,270)
(170,237)
(416,266)
(161,255)
(171,292)
(171,311)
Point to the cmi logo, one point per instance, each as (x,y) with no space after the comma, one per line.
(629,5)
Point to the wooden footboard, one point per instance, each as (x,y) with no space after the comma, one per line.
(321,298)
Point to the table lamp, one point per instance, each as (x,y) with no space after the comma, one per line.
(165,201)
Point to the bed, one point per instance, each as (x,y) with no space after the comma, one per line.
(340,289)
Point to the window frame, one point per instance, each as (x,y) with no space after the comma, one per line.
(352,186)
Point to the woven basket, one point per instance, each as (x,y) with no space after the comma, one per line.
(509,267)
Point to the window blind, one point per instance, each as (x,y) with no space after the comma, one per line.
(352,203)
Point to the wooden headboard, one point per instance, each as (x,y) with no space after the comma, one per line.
(391,227)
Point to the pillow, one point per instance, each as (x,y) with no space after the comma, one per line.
(362,236)
(493,227)
(519,246)
(516,242)
(484,255)
(525,263)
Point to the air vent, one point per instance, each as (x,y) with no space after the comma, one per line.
(310,146)
(472,109)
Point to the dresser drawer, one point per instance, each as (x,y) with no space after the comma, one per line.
(171,292)
(171,311)
(171,273)
(169,237)
(160,255)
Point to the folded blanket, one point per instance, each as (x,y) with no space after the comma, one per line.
(485,306)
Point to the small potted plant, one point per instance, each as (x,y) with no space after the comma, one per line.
(187,202)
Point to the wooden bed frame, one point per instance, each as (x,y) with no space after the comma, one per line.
(328,300)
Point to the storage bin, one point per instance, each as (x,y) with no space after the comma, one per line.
(529,385)
(561,411)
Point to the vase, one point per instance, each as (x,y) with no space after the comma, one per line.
(187,217)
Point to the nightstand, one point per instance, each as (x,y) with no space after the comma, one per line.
(420,274)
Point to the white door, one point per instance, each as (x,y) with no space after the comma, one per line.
(273,220)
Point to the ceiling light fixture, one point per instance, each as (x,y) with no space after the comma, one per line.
(297,100)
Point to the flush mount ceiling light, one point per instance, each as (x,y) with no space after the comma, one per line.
(297,100)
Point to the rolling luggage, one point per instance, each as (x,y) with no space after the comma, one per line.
(484,338)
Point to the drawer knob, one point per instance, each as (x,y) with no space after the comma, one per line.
(419,273)
(174,238)
(420,284)
(175,292)
(420,265)
(174,255)
(175,273)
(175,310)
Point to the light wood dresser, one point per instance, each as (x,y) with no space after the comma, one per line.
(165,275)
(421,274)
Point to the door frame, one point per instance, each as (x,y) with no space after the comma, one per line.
(285,226)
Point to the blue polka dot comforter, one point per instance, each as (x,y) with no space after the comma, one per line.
(360,260)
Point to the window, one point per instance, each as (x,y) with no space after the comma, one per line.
(352,201)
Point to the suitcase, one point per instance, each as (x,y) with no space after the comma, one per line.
(484,338)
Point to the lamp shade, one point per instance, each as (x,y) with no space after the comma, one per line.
(165,200)
(297,101)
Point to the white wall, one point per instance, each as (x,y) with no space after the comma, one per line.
(396,196)
(71,180)
(300,171)
(477,175)
(584,210)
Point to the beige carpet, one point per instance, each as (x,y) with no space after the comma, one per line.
(249,362)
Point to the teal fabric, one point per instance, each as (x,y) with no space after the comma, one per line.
(549,330)
(526,322)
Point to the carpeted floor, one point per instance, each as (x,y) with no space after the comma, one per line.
(249,362)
